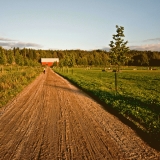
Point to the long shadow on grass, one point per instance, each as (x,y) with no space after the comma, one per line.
(152,139)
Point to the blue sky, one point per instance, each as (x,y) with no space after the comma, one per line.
(79,24)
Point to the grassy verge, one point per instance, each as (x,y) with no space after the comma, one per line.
(13,79)
(138,97)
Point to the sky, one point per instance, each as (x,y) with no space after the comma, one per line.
(79,24)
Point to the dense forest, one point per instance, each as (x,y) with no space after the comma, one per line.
(32,57)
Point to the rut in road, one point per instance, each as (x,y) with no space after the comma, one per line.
(53,120)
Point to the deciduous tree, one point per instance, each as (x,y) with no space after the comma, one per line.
(118,49)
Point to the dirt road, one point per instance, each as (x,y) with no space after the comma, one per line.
(53,120)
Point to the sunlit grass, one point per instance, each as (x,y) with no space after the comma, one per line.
(138,96)
(13,79)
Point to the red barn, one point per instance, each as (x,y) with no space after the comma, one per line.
(49,61)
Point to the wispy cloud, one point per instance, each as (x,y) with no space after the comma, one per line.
(152,40)
(106,48)
(10,43)
(147,47)
(6,39)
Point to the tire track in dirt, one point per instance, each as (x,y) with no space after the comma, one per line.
(53,120)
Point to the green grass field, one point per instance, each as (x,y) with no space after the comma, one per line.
(137,98)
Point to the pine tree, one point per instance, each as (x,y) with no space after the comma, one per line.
(10,57)
(3,58)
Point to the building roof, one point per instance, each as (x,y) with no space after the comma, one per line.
(49,59)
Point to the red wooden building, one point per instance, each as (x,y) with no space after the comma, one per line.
(49,61)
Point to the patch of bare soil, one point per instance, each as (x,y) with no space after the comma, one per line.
(53,120)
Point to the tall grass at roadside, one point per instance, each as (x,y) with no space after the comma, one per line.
(13,79)
(138,97)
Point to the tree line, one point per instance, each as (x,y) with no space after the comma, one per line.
(70,58)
